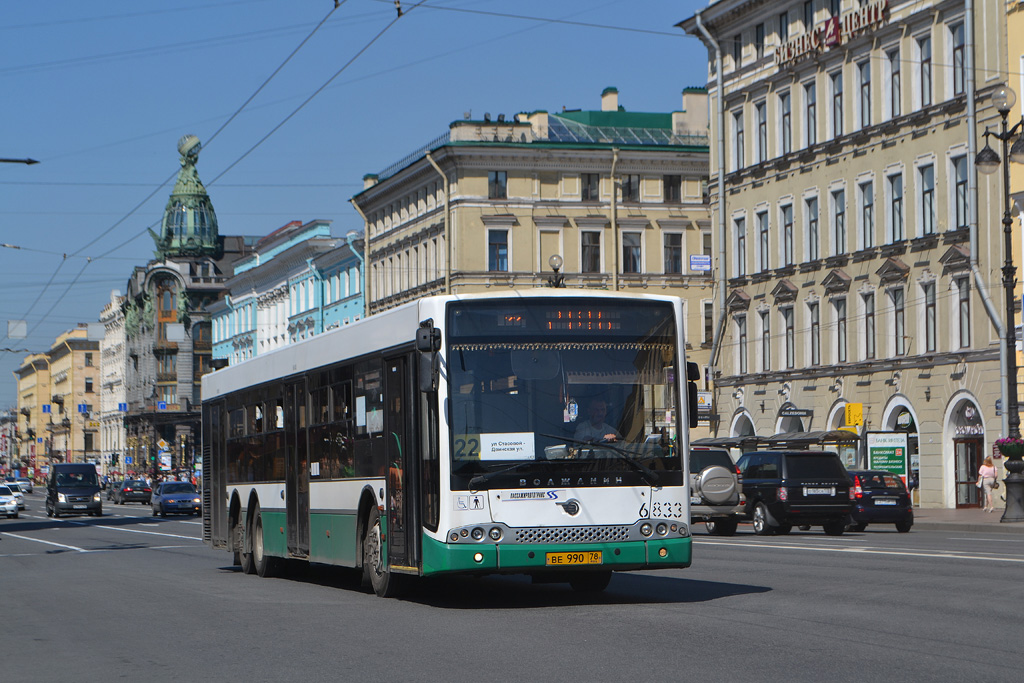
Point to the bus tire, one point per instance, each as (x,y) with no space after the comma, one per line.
(722,527)
(266,566)
(590,582)
(385,584)
(248,567)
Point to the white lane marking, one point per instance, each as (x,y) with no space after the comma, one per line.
(38,540)
(990,540)
(131,531)
(873,551)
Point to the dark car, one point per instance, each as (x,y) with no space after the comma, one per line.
(176,497)
(133,491)
(112,489)
(880,497)
(75,488)
(786,488)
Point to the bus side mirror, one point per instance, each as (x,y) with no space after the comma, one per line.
(692,375)
(428,343)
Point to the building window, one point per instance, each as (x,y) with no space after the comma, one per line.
(930,322)
(761,112)
(88,359)
(924,47)
(895,91)
(88,385)
(964,311)
(631,188)
(869,325)
(808,15)
(787,320)
(896,207)
(737,50)
(960,191)
(786,215)
(957,34)
(766,341)
(590,187)
(591,251)
(741,346)
(673,253)
(497,250)
(738,152)
(899,321)
(839,221)
(927,179)
(630,252)
(759,40)
(783,27)
(762,241)
(813,239)
(786,123)
(840,309)
(814,313)
(741,247)
(837,104)
(673,189)
(810,114)
(865,93)
(867,214)
(497,185)
(834,7)
(709,322)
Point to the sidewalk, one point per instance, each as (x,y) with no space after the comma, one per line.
(965,519)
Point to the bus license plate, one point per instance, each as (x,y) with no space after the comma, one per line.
(585,557)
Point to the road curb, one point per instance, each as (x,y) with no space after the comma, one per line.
(997,528)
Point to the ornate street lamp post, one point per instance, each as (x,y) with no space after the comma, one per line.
(988,162)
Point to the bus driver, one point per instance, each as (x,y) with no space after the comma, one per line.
(596,429)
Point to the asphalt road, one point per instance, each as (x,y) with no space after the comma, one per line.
(131,597)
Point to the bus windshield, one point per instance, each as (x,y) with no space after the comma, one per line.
(568,392)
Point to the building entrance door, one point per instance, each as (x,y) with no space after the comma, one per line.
(968,460)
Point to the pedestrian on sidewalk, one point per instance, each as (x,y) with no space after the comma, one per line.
(987,477)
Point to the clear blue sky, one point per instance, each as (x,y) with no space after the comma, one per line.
(100,92)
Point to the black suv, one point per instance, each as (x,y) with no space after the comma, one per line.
(784,488)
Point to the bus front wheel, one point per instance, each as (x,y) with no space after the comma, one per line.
(248,567)
(385,584)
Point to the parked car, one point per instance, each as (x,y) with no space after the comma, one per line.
(784,488)
(176,497)
(18,493)
(8,502)
(26,484)
(133,491)
(880,497)
(716,490)
(112,489)
(73,487)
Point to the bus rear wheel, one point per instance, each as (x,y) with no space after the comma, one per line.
(246,555)
(590,582)
(265,565)
(385,584)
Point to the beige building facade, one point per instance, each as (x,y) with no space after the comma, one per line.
(860,249)
(618,197)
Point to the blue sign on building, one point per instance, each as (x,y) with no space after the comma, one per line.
(83,408)
(127,460)
(123,407)
(700,263)
(46,407)
(162,405)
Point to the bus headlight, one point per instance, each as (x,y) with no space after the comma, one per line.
(645,529)
(662,529)
(495,534)
(478,534)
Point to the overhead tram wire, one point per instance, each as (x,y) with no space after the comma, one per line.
(160,187)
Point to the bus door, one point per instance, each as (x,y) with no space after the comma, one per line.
(402,471)
(296,466)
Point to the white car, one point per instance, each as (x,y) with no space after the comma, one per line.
(26,484)
(8,502)
(16,490)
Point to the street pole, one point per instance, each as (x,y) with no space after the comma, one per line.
(987,162)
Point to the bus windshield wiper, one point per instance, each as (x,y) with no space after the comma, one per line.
(649,476)
(475,482)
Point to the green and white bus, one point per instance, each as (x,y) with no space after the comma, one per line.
(540,433)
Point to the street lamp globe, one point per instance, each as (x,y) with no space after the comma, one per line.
(1004,98)
(555,261)
(1017,151)
(987,160)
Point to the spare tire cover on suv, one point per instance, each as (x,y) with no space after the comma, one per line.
(716,485)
